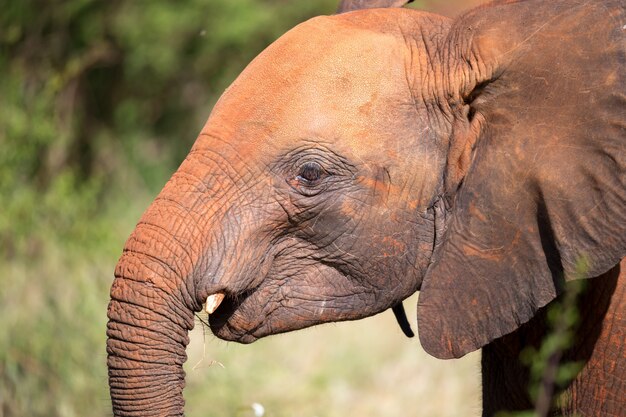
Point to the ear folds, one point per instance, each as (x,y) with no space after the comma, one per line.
(350,5)
(538,184)
(465,131)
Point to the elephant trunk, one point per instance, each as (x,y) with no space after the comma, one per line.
(147,336)
(154,294)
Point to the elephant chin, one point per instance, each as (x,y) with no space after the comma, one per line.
(273,308)
(247,317)
(232,322)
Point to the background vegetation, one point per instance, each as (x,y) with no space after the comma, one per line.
(99,103)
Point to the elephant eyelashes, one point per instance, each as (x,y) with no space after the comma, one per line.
(310,173)
(309,178)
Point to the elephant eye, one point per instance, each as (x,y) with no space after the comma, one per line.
(310,173)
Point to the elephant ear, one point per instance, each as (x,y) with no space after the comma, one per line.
(350,5)
(537,167)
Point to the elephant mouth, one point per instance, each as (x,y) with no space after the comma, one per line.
(277,305)
(226,323)
(255,313)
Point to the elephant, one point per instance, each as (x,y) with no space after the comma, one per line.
(371,154)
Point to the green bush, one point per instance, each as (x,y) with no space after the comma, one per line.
(99,95)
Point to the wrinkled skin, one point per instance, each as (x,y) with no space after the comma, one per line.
(368,155)
(359,235)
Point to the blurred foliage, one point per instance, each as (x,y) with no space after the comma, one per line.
(101,94)
(99,103)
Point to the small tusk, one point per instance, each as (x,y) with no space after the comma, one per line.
(213,301)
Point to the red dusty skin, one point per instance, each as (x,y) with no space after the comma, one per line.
(326,176)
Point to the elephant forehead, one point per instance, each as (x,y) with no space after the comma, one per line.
(325,78)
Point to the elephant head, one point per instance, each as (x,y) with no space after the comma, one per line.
(367,155)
